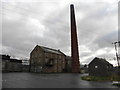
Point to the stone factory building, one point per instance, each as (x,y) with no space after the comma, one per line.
(43,59)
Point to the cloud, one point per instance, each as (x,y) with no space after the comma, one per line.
(27,23)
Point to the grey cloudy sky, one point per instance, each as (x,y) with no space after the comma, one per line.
(26,23)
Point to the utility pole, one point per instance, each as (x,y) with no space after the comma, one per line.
(117,56)
(115,43)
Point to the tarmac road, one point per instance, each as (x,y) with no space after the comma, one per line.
(59,80)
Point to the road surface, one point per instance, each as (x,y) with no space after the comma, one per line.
(60,80)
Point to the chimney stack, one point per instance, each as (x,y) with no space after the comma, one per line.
(74,42)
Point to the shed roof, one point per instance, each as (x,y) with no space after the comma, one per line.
(101,60)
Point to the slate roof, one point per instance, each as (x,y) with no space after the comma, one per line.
(101,59)
(7,58)
(46,49)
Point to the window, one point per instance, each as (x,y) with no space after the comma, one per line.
(56,56)
(59,56)
(46,55)
(41,67)
(46,60)
(50,55)
(55,61)
(96,66)
(50,62)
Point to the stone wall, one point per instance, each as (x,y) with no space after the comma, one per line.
(8,66)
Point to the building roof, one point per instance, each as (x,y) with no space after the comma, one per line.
(15,60)
(7,58)
(4,56)
(46,49)
(101,60)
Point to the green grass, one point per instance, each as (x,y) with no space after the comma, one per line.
(95,78)
(117,84)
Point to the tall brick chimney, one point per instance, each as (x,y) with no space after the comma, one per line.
(74,42)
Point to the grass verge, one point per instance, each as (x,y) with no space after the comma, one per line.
(95,78)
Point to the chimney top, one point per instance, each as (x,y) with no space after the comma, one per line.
(71,5)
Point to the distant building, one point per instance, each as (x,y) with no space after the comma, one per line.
(25,65)
(100,67)
(43,59)
(10,65)
(25,62)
